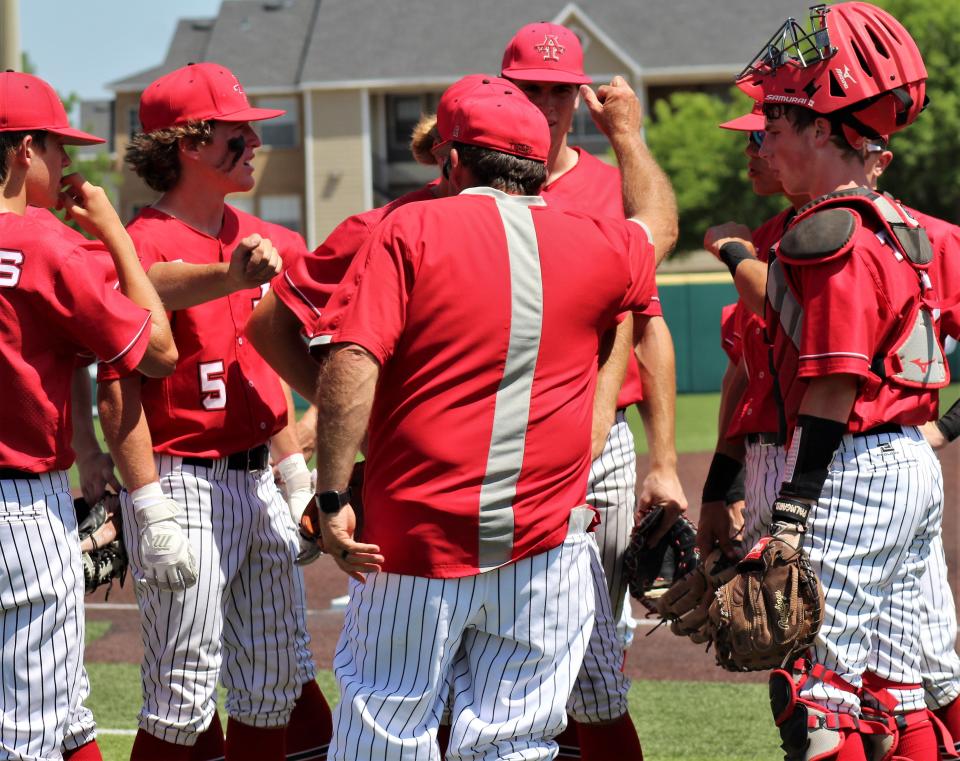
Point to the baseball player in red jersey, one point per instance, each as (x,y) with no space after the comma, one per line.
(848,312)
(546,61)
(243,621)
(478,429)
(54,307)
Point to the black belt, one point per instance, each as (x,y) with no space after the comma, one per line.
(251,459)
(882,428)
(9,473)
(765,439)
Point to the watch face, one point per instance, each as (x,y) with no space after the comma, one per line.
(331,502)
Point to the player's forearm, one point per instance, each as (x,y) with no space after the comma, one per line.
(126,432)
(647,192)
(81,408)
(182,285)
(275,333)
(613,365)
(348,381)
(750,280)
(655,356)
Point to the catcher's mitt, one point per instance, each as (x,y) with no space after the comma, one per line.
(686,603)
(651,568)
(772,609)
(101,542)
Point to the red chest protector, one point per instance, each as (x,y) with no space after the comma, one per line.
(824,230)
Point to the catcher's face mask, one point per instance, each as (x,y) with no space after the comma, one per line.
(792,45)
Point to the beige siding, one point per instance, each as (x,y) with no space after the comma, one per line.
(338,159)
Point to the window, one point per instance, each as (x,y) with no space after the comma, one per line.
(284,131)
(283,210)
(134,114)
(403,113)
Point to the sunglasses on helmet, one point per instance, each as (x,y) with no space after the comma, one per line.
(755,137)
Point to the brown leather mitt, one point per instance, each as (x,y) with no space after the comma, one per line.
(772,609)
(686,603)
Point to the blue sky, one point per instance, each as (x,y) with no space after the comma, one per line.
(80,45)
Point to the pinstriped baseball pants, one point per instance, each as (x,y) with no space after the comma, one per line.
(600,692)
(244,621)
(939,662)
(503,646)
(41,616)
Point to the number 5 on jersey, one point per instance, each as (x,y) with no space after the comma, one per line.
(213,391)
(10,263)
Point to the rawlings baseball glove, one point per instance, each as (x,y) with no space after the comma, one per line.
(101,542)
(651,567)
(686,604)
(772,609)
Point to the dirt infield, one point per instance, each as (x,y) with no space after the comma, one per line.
(657,656)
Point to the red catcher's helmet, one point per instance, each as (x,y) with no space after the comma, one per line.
(857,63)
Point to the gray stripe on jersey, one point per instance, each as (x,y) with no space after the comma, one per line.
(512,408)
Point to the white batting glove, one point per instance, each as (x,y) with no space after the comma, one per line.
(165,553)
(298,492)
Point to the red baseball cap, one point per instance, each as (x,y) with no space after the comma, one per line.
(752,122)
(503,121)
(472,84)
(28,103)
(198,92)
(545,52)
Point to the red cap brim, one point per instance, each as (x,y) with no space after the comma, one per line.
(747,123)
(249,115)
(546,75)
(71,136)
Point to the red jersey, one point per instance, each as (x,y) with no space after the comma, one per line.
(594,187)
(757,410)
(223,397)
(945,269)
(851,309)
(307,284)
(53,306)
(479,433)
(730,339)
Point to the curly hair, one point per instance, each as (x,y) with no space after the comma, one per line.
(423,138)
(154,156)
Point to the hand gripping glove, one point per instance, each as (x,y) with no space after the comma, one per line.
(166,556)
(298,492)
(772,609)
(686,603)
(651,568)
(104,558)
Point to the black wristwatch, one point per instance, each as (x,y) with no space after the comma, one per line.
(331,502)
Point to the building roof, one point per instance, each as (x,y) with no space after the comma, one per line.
(341,43)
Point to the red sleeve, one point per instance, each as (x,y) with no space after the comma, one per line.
(369,306)
(642,259)
(947,247)
(308,284)
(93,314)
(843,307)
(730,337)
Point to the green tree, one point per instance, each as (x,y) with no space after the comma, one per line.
(924,172)
(706,165)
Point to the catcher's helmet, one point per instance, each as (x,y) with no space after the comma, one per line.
(856,62)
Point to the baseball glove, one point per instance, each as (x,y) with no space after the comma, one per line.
(101,542)
(772,609)
(651,567)
(686,604)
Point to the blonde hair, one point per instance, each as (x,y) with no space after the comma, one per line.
(423,138)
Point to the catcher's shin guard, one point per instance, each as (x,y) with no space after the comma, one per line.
(916,735)
(809,732)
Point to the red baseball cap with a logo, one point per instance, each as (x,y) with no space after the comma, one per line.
(472,84)
(28,103)
(198,92)
(545,52)
(504,121)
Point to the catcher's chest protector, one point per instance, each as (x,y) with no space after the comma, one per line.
(825,230)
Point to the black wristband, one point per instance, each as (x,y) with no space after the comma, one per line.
(815,440)
(787,510)
(949,422)
(723,474)
(738,489)
(732,253)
